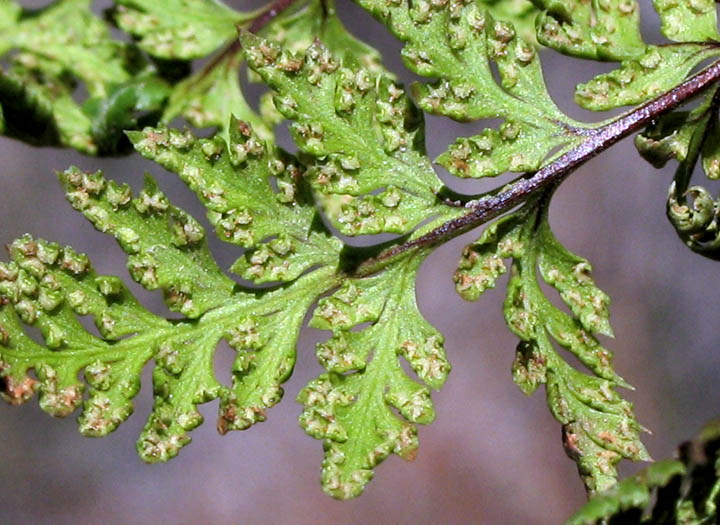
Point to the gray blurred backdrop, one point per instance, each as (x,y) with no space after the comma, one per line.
(493,456)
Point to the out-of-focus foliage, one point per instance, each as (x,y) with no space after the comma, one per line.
(57,51)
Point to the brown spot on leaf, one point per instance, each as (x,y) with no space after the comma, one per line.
(570,442)
(244,128)
(607,436)
(409,455)
(17,392)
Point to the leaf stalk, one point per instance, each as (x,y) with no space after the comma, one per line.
(597,141)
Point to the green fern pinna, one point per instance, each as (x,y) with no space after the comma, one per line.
(361,168)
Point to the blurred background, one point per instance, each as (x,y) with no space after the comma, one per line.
(493,456)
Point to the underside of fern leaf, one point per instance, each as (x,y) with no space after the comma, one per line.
(361,169)
(47,286)
(599,427)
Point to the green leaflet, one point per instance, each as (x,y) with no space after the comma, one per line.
(456,43)
(190,29)
(58,47)
(362,161)
(351,406)
(166,247)
(685,490)
(278,226)
(299,26)
(124,91)
(179,29)
(599,427)
(646,72)
(361,135)
(636,81)
(595,29)
(38,106)
(695,20)
(208,97)
(49,287)
(70,35)
(610,30)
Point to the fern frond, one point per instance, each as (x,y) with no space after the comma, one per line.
(361,134)
(611,31)
(691,138)
(307,20)
(599,427)
(607,30)
(179,29)
(50,287)
(278,226)
(362,163)
(457,43)
(351,406)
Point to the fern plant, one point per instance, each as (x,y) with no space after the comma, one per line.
(360,169)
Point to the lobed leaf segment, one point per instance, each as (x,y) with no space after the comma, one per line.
(683,490)
(599,427)
(54,50)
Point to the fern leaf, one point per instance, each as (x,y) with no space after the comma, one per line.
(297,28)
(636,81)
(182,30)
(179,29)
(691,138)
(51,294)
(208,97)
(50,287)
(610,31)
(265,358)
(685,490)
(599,427)
(362,134)
(456,44)
(166,247)
(694,21)
(607,30)
(47,286)
(67,33)
(278,227)
(351,406)
(32,90)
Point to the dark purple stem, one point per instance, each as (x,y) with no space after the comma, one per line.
(597,141)
(273,10)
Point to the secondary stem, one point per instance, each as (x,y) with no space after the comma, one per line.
(596,142)
(273,10)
